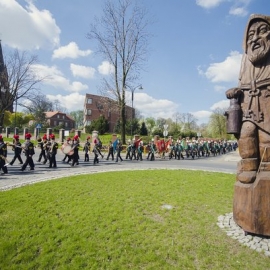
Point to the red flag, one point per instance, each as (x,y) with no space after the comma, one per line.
(137,143)
(161,145)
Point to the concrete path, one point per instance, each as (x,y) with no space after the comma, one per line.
(16,178)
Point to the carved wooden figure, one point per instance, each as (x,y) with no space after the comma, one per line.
(251,208)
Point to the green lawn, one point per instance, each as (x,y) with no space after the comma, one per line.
(119,220)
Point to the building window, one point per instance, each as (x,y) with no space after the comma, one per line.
(66,124)
(63,117)
(58,116)
(55,123)
(88,122)
(89,101)
(89,112)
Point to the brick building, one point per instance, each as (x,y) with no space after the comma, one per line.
(55,119)
(95,106)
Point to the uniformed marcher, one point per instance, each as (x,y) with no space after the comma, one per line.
(42,145)
(86,148)
(119,148)
(69,157)
(110,151)
(53,151)
(128,151)
(152,151)
(17,148)
(75,147)
(96,153)
(3,155)
(29,152)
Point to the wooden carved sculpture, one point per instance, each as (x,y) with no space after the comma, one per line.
(251,207)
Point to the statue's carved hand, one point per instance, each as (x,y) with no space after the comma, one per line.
(233,92)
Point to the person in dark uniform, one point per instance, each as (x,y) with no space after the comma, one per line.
(3,155)
(29,152)
(151,151)
(119,148)
(42,145)
(140,149)
(86,148)
(69,157)
(96,153)
(17,148)
(110,151)
(133,150)
(75,148)
(129,148)
(53,151)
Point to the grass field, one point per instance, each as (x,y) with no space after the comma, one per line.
(157,219)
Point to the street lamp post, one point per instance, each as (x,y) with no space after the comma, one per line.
(132,98)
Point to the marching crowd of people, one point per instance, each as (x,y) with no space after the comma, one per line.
(182,148)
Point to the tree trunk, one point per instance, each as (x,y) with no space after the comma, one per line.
(123,124)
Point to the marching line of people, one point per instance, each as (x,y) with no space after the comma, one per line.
(179,149)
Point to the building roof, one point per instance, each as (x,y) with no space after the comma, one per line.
(51,114)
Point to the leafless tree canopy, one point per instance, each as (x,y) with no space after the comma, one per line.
(122,39)
(22,80)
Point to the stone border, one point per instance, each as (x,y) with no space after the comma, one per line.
(258,243)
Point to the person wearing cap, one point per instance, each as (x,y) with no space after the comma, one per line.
(3,155)
(98,145)
(75,148)
(68,157)
(17,148)
(52,151)
(42,144)
(29,152)
(86,148)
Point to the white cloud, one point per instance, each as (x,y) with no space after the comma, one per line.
(70,51)
(223,104)
(220,88)
(239,11)
(201,114)
(27,27)
(54,77)
(105,68)
(82,71)
(239,7)
(226,71)
(209,3)
(72,102)
(151,107)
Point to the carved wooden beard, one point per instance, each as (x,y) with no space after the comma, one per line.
(260,54)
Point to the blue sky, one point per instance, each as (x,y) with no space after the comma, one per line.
(194,57)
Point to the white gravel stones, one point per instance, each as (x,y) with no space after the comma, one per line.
(258,243)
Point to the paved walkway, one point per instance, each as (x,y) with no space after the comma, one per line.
(16,178)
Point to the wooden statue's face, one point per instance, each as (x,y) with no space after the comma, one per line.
(258,41)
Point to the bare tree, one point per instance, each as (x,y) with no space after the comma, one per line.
(37,106)
(20,79)
(188,122)
(78,117)
(122,38)
(217,124)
